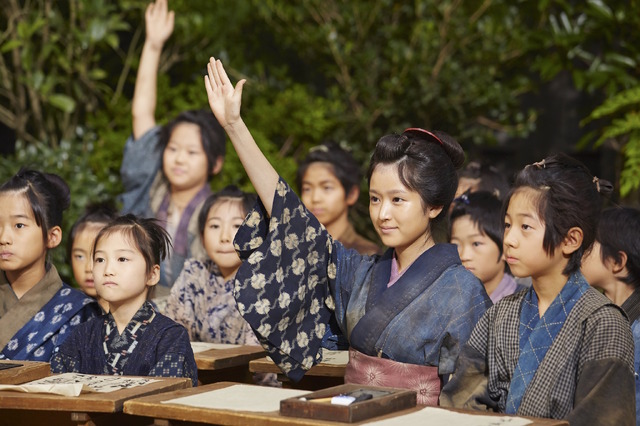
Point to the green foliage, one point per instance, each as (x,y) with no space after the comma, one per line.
(625,130)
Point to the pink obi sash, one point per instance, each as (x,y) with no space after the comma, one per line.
(373,371)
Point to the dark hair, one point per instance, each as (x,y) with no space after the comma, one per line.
(485,211)
(146,234)
(102,213)
(229,192)
(211,134)
(489,178)
(567,196)
(619,230)
(345,168)
(427,163)
(47,194)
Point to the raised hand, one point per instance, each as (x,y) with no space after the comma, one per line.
(159,23)
(224,99)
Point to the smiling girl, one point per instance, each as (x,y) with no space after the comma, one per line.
(132,338)
(406,313)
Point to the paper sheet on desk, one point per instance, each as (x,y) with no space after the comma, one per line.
(439,416)
(93,383)
(69,389)
(205,346)
(240,398)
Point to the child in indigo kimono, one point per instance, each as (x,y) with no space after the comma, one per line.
(166,169)
(132,338)
(202,297)
(476,229)
(561,349)
(406,314)
(37,310)
(83,234)
(613,266)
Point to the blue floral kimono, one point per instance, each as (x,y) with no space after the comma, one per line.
(32,327)
(150,345)
(295,275)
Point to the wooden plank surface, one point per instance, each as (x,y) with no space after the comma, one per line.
(175,414)
(109,402)
(266,365)
(216,359)
(26,372)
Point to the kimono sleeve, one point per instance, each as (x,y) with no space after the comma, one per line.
(141,162)
(281,288)
(605,390)
(468,387)
(68,357)
(180,305)
(174,356)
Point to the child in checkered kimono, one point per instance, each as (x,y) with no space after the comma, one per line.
(561,349)
(132,338)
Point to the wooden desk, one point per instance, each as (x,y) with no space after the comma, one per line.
(227,364)
(176,414)
(19,408)
(28,371)
(320,376)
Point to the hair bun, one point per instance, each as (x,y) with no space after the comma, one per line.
(59,189)
(452,148)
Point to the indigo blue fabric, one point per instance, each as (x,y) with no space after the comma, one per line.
(295,276)
(151,345)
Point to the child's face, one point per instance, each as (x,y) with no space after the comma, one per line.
(397,212)
(523,236)
(223,221)
(478,253)
(21,243)
(81,259)
(594,270)
(120,271)
(323,194)
(184,161)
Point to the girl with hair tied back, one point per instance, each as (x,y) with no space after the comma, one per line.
(412,307)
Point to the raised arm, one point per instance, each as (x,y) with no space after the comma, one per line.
(225,101)
(159,26)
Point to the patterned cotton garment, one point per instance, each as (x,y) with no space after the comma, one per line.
(202,301)
(38,337)
(585,375)
(295,276)
(118,347)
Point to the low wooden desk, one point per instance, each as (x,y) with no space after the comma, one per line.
(26,372)
(230,364)
(320,376)
(18,408)
(176,414)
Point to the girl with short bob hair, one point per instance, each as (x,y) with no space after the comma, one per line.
(406,313)
(561,349)
(132,338)
(38,311)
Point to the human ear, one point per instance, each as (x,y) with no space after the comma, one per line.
(433,212)
(353,195)
(572,241)
(54,237)
(619,266)
(154,276)
(217,165)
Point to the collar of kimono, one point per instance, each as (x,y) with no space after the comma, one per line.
(15,313)
(180,239)
(632,306)
(382,306)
